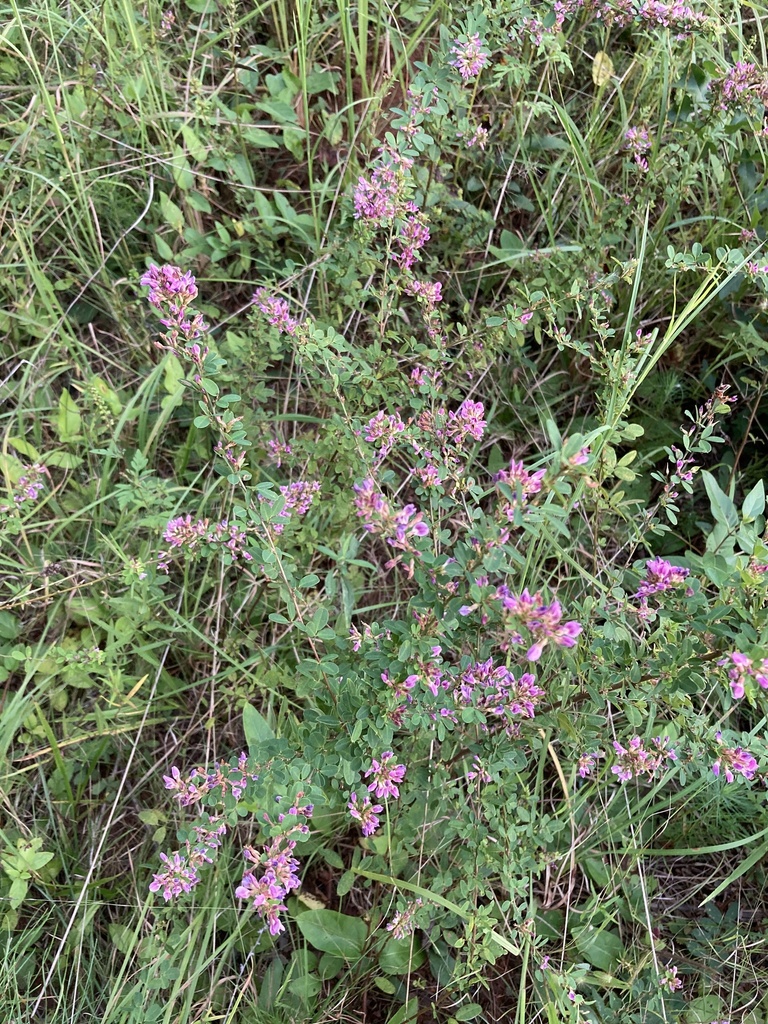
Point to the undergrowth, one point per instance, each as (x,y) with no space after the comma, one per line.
(383,623)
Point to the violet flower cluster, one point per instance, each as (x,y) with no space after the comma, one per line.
(495,690)
(385,783)
(741,669)
(185,534)
(678,17)
(403,923)
(446,433)
(733,761)
(277,312)
(385,200)
(180,869)
(587,762)
(544,621)
(523,482)
(636,140)
(635,760)
(172,290)
(399,527)
(28,487)
(221,780)
(660,575)
(274,872)
(743,85)
(470,56)
(386,194)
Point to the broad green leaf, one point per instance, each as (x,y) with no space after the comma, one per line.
(68,420)
(172,214)
(332,932)
(193,143)
(600,947)
(305,986)
(183,174)
(24,448)
(401,956)
(17,892)
(174,373)
(705,1009)
(256,728)
(62,460)
(723,508)
(754,503)
(407,1014)
(468,1011)
(9,626)
(122,938)
(330,965)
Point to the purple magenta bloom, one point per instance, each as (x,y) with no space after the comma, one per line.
(367,813)
(660,575)
(179,876)
(734,761)
(277,311)
(587,762)
(385,775)
(403,923)
(471,56)
(169,285)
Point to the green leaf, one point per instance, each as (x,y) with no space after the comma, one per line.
(122,938)
(209,386)
(256,728)
(24,448)
(400,956)
(600,947)
(332,932)
(164,251)
(407,1014)
(705,1009)
(174,373)
(469,1011)
(723,508)
(330,966)
(258,137)
(754,503)
(9,626)
(172,214)
(17,892)
(305,986)
(182,172)
(68,420)
(193,143)
(61,460)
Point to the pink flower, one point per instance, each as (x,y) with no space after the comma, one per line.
(734,761)
(169,285)
(385,775)
(403,923)
(367,813)
(660,575)
(587,762)
(471,56)
(635,760)
(277,311)
(638,143)
(179,876)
